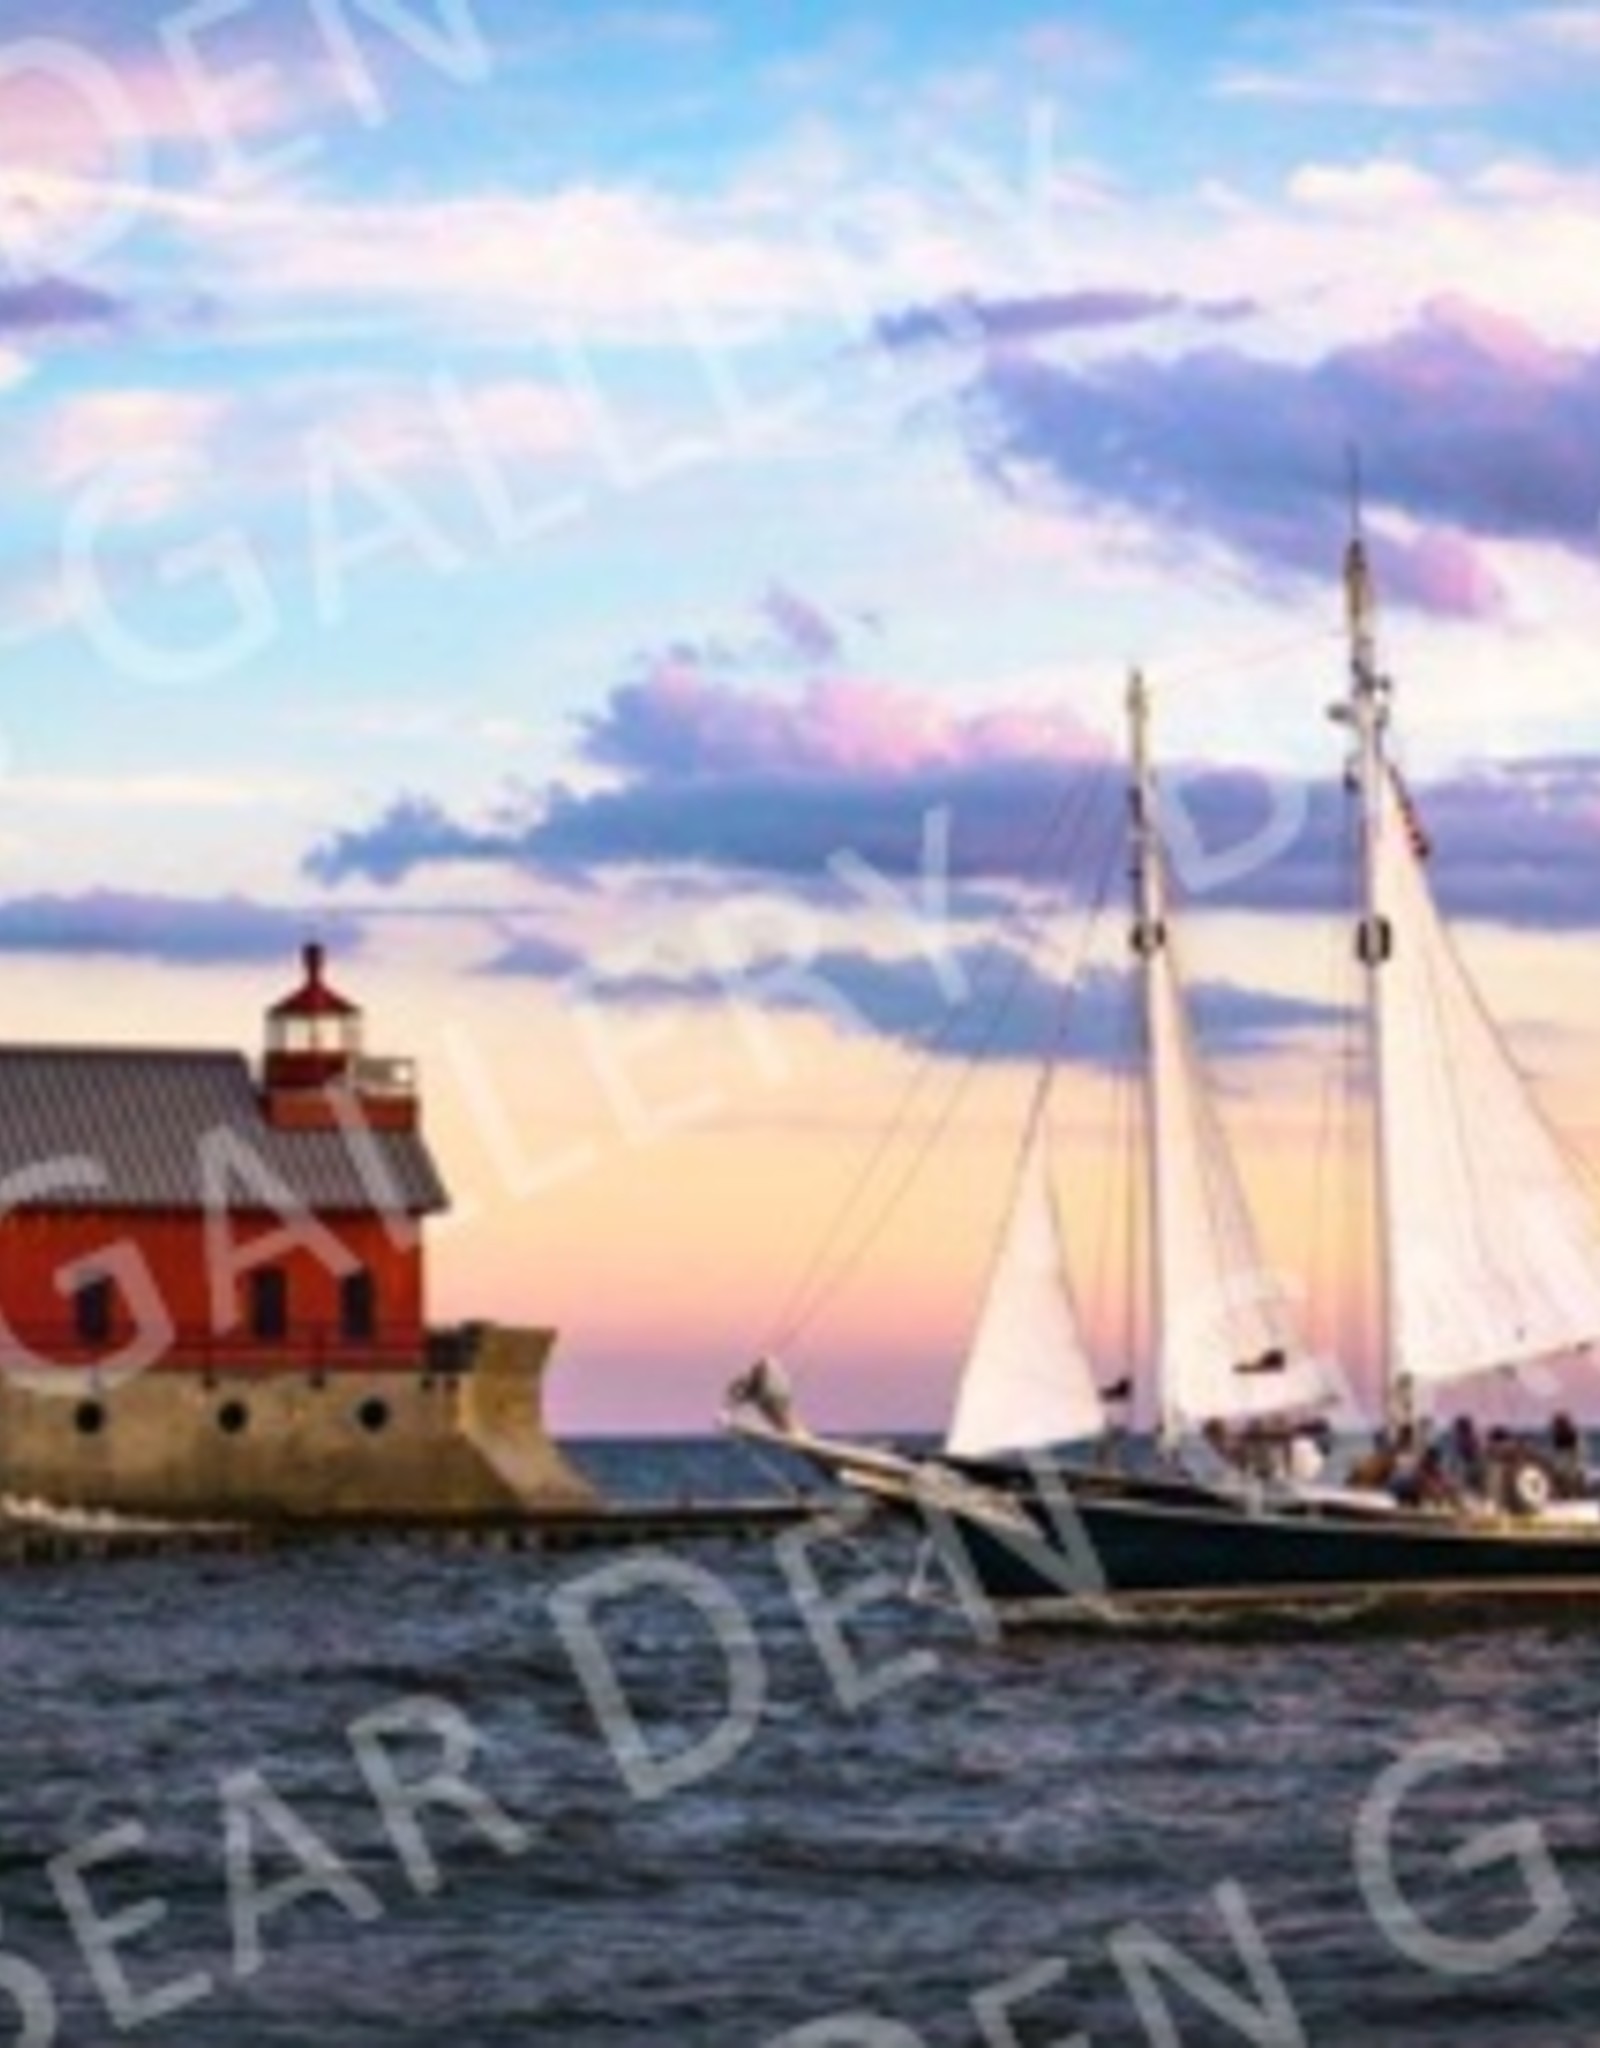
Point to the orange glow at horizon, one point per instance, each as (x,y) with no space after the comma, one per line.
(655,1183)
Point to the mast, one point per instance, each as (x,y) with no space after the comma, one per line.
(1223,1341)
(1367,711)
(1487,1242)
(1147,939)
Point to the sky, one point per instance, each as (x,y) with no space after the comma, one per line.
(631,524)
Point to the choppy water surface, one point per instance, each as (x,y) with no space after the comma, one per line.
(997,1811)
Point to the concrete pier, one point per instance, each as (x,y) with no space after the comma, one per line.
(636,1526)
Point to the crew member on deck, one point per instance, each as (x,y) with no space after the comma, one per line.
(1467,1462)
(1566,1457)
(1376,1467)
(1307,1454)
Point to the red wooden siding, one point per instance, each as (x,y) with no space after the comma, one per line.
(36,1246)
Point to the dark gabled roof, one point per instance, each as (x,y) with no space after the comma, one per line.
(170,1130)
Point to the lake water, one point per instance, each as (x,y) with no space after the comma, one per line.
(1028,1824)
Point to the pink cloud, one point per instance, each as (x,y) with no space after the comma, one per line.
(96,112)
(1444,573)
(158,441)
(712,775)
(677,723)
(1498,338)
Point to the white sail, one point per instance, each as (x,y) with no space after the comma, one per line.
(1226,1342)
(1028,1381)
(1493,1251)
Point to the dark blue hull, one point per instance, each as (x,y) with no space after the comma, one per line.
(1046,1540)
(1156,1543)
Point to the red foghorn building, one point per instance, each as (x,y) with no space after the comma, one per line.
(271,1222)
(213,1290)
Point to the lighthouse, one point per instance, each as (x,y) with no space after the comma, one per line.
(213,1288)
(314,1035)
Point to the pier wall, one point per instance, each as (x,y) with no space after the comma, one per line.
(454,1435)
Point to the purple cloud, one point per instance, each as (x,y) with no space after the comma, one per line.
(1519,844)
(715,777)
(191,931)
(966,321)
(414,832)
(677,725)
(1474,427)
(1010,1006)
(804,627)
(715,781)
(534,956)
(790,633)
(1516,845)
(47,304)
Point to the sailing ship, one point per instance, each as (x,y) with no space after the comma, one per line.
(1488,1263)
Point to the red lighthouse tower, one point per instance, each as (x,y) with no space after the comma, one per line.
(316,1073)
(314,1035)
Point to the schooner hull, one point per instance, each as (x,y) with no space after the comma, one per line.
(1142,1552)
(1073,1542)
(1078,1541)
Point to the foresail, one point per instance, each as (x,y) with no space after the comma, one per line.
(1228,1348)
(1493,1257)
(1028,1381)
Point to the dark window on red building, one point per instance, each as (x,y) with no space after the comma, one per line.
(269,1304)
(358,1307)
(93,1304)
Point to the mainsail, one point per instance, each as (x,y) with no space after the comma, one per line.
(1029,1381)
(1225,1341)
(1492,1254)
(1488,1242)
(1226,1344)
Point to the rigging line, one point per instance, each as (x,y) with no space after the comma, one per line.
(1522,1080)
(786,1482)
(793,1313)
(1126,1150)
(797,1309)
(1365,1315)
(1038,1116)
(1099,1266)
(1229,1212)
(973,1064)
(1576,1164)
(1262,1315)
(841,1530)
(931,1139)
(1441,966)
(1443,972)
(1138,1257)
(1569,1154)
(1261,656)
(801,1305)
(1336,1243)
(1322,1131)
(1228,1222)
